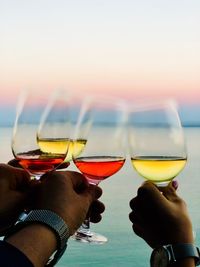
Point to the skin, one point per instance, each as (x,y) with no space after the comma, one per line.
(160,217)
(68,195)
(15,186)
(29,191)
(19,192)
(71,188)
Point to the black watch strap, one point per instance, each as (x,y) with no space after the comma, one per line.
(181,251)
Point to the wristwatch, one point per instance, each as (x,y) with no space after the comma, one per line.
(51,220)
(166,255)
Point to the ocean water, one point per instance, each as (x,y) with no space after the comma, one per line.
(124,248)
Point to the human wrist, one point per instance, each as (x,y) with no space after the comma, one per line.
(186,262)
(175,255)
(183,237)
(36,241)
(47,221)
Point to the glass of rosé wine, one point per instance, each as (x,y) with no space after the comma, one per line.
(39,141)
(101,128)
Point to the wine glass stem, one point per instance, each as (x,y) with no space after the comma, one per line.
(85,227)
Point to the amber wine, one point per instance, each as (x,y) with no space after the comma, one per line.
(158,169)
(75,148)
(54,145)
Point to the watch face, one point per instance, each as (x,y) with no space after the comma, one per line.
(159,257)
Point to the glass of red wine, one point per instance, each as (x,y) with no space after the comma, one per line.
(101,128)
(39,141)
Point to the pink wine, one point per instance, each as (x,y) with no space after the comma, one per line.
(99,168)
(38,163)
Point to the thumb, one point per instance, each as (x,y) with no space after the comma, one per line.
(152,195)
(169,191)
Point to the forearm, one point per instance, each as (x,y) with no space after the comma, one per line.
(11,256)
(36,241)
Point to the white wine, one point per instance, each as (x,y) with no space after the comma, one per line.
(75,148)
(62,146)
(158,169)
(53,145)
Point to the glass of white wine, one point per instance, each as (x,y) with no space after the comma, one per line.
(75,103)
(156,141)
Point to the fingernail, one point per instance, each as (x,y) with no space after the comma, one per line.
(175,184)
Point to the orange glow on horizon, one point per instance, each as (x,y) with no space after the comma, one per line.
(186,94)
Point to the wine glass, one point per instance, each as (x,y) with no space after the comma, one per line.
(39,141)
(75,103)
(156,141)
(100,133)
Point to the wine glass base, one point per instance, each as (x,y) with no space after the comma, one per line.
(92,237)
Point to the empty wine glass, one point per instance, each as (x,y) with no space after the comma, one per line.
(101,134)
(156,141)
(40,140)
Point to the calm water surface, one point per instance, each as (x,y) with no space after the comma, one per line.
(124,248)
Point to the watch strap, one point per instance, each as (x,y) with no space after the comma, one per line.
(53,221)
(181,251)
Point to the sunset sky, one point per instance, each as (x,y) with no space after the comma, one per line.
(134,49)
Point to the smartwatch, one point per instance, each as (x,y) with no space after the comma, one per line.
(166,255)
(52,221)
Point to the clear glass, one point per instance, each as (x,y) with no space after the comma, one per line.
(39,141)
(75,103)
(99,148)
(156,141)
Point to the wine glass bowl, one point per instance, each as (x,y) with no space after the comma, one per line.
(75,103)
(39,140)
(156,142)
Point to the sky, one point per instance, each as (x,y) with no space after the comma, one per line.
(128,48)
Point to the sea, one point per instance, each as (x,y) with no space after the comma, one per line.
(124,248)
